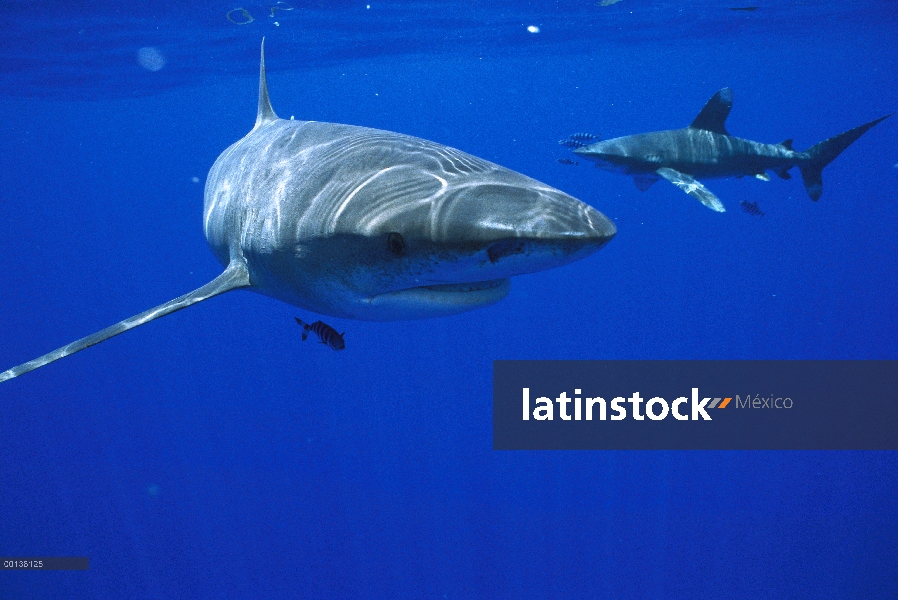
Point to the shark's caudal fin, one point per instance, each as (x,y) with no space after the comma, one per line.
(825,152)
(234,277)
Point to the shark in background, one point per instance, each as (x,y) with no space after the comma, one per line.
(705,150)
(367,224)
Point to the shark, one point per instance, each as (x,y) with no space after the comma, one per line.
(366,224)
(705,150)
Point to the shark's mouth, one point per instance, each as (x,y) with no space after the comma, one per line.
(440,299)
(468,286)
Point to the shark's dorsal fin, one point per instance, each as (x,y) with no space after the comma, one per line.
(265,113)
(715,113)
(787,144)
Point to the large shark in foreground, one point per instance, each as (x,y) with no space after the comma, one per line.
(705,150)
(366,224)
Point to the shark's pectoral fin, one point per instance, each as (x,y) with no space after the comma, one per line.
(762,176)
(234,277)
(688,184)
(644,182)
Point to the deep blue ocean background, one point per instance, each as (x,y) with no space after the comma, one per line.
(212,454)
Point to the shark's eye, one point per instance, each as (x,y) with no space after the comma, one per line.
(396,244)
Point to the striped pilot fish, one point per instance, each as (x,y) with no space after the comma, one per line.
(327,334)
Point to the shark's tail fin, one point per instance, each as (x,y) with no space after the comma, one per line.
(825,152)
(234,277)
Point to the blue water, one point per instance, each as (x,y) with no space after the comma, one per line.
(212,454)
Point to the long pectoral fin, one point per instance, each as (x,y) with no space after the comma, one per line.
(688,184)
(234,277)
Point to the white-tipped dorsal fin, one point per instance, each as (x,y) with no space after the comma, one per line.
(266,113)
(715,113)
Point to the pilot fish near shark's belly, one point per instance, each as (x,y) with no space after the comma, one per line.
(327,334)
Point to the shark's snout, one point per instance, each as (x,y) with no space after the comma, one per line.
(604,155)
(533,212)
(529,228)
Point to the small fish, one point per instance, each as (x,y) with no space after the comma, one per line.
(752,208)
(579,140)
(327,334)
(583,137)
(567,161)
(745,8)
